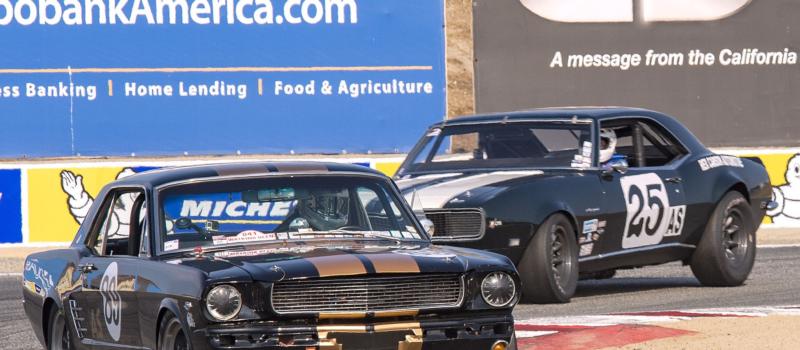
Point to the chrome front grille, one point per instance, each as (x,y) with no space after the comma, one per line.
(368,294)
(456,223)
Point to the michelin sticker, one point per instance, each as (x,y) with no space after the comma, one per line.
(787,196)
(112,303)
(226,212)
(649,216)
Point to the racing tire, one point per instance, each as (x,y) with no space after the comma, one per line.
(58,336)
(726,252)
(549,266)
(171,335)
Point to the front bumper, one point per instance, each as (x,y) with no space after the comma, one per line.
(462,334)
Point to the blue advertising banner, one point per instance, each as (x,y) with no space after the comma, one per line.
(10,206)
(166,77)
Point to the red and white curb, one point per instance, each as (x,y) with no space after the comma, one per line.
(601,331)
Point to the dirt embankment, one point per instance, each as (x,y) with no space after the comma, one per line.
(772,332)
(460,68)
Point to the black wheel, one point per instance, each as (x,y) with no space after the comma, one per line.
(171,335)
(58,337)
(727,250)
(549,267)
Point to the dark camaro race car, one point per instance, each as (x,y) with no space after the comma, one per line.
(262,256)
(575,193)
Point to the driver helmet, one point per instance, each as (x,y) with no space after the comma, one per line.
(326,209)
(608,143)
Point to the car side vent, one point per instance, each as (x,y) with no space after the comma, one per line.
(457,224)
(77,320)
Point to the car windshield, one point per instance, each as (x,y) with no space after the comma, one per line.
(546,144)
(243,211)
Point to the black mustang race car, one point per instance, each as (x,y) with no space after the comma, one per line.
(575,193)
(262,256)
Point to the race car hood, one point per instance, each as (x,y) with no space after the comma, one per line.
(275,262)
(463,189)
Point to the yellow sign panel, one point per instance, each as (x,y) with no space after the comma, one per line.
(59,198)
(784,174)
(387,168)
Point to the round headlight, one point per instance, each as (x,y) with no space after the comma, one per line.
(223,302)
(498,289)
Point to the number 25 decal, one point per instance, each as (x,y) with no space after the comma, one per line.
(649,217)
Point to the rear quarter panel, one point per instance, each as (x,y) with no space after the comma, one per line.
(705,185)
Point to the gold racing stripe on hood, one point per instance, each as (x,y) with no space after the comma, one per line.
(393,263)
(396,313)
(338,265)
(413,327)
(341,315)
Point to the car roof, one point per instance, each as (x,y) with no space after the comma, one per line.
(594,114)
(154,178)
(585,112)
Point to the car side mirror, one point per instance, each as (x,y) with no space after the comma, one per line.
(620,167)
(615,165)
(427,225)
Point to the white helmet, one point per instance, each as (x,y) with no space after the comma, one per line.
(611,143)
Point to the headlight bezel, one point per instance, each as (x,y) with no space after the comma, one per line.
(506,277)
(215,315)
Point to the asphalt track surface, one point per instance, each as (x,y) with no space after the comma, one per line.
(775,281)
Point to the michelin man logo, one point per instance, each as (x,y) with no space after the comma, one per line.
(79,201)
(788,196)
(112,303)
(583,11)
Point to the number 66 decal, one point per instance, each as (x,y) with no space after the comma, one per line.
(649,217)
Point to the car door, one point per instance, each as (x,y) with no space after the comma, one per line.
(645,204)
(106,301)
